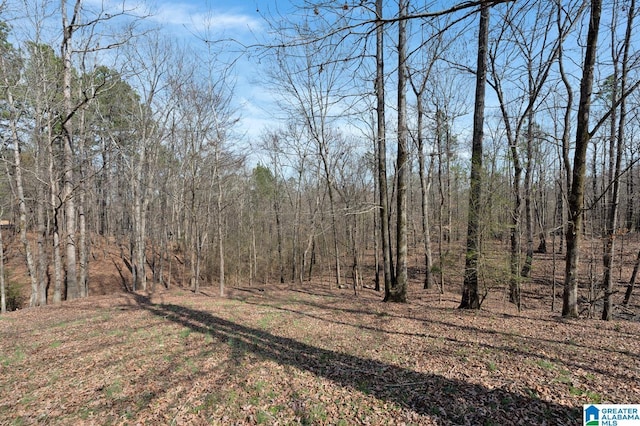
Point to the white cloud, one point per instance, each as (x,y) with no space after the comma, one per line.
(199,20)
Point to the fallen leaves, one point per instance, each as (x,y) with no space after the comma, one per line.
(316,357)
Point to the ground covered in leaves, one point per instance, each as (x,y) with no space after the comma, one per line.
(307,355)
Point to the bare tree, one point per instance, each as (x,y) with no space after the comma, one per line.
(381,151)
(519,89)
(576,194)
(617,146)
(69,26)
(419,77)
(349,25)
(447,96)
(309,89)
(470,293)
(9,82)
(397,292)
(425,181)
(150,60)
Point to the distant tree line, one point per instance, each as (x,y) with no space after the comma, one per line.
(399,131)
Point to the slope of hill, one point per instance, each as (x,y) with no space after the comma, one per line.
(307,355)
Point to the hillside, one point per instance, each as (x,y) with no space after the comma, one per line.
(312,355)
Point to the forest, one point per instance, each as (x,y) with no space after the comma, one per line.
(402,138)
(318,212)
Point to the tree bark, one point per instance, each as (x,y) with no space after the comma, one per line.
(424,176)
(41,229)
(398,289)
(138,258)
(632,281)
(219,224)
(425,184)
(276,208)
(82,219)
(56,207)
(22,207)
(328,175)
(612,214)
(576,195)
(3,290)
(68,27)
(528,195)
(383,196)
(470,294)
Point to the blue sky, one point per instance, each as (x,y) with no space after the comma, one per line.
(186,22)
(240,20)
(231,18)
(190,21)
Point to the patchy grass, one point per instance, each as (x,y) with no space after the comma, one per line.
(318,356)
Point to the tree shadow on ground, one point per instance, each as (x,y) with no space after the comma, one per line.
(277,304)
(568,359)
(447,401)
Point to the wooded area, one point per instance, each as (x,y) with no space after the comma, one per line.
(400,131)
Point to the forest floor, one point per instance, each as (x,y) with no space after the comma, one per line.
(316,354)
(279,355)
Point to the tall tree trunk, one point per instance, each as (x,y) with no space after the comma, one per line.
(56,209)
(612,214)
(140,203)
(301,257)
(82,219)
(398,290)
(568,113)
(42,238)
(308,256)
(22,207)
(323,151)
(629,216)
(201,241)
(470,294)
(192,241)
(576,195)
(445,197)
(220,225)
(137,253)
(295,243)
(3,290)
(107,185)
(381,145)
(425,183)
(515,279)
(611,201)
(41,203)
(68,27)
(276,207)
(253,255)
(352,230)
(376,241)
(426,227)
(528,194)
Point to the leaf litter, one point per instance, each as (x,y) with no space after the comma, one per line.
(313,355)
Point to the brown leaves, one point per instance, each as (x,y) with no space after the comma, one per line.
(319,357)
